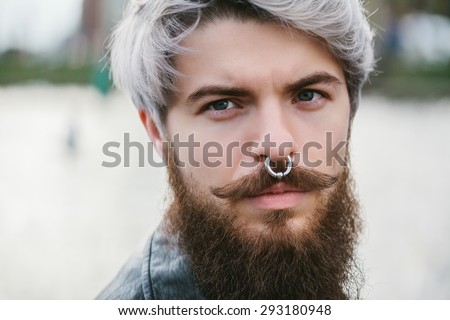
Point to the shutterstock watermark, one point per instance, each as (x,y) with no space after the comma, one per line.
(214,154)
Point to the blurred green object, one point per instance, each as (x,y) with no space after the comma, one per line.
(18,67)
(21,67)
(399,80)
(100,78)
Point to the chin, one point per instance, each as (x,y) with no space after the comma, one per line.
(277,226)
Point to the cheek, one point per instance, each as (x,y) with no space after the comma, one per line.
(210,157)
(209,161)
(324,147)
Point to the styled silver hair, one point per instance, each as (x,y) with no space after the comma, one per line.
(144,44)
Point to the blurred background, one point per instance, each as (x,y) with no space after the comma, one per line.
(67,223)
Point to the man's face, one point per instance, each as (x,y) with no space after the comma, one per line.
(242,81)
(248,235)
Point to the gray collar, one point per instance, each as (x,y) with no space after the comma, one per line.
(169,274)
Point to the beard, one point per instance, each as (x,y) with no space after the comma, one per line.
(229,261)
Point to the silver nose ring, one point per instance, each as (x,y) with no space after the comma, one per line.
(278,175)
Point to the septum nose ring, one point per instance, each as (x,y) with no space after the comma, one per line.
(278,175)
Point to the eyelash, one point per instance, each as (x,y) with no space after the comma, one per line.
(220,114)
(313,103)
(209,105)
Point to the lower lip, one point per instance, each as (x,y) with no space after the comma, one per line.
(277,201)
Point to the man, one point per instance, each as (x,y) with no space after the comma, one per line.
(256,99)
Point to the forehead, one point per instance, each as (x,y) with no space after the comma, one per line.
(249,54)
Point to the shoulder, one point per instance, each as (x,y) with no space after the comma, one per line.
(131,281)
(159,272)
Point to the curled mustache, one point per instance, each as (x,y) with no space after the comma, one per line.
(303,179)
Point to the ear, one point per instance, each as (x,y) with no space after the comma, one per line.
(153,131)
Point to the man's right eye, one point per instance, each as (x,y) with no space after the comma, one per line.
(220,105)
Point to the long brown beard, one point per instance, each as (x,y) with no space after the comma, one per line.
(231,263)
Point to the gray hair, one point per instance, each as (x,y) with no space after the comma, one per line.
(144,44)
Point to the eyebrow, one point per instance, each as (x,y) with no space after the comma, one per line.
(312,79)
(217,91)
(315,78)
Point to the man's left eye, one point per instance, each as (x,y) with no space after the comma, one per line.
(309,95)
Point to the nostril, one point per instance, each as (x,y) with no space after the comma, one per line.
(278,169)
(279,164)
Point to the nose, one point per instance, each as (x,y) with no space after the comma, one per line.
(275,132)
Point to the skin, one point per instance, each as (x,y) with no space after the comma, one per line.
(251,69)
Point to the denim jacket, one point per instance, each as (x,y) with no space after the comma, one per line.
(160,272)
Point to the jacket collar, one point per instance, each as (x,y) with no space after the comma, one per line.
(169,274)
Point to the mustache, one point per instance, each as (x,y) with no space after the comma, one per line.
(301,178)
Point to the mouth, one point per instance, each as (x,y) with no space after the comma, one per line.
(278,197)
